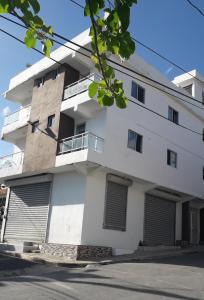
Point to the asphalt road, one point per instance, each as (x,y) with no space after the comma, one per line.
(173,278)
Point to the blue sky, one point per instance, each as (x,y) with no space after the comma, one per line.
(171,27)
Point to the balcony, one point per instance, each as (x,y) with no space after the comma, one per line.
(14,121)
(78,148)
(11,164)
(76,101)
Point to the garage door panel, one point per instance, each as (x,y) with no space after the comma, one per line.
(28,212)
(159,221)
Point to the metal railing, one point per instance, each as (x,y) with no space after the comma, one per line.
(80,86)
(14,160)
(22,113)
(82,141)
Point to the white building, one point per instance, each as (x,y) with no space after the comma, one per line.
(88,180)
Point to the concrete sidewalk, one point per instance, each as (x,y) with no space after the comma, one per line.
(139,255)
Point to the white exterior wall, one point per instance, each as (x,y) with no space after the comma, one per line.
(158,136)
(67,207)
(93,232)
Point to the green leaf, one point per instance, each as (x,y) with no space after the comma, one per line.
(93,87)
(4,6)
(35,5)
(29,38)
(121,101)
(47,45)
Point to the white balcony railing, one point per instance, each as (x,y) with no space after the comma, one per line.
(80,86)
(11,164)
(21,114)
(82,141)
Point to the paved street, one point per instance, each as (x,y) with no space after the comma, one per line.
(173,278)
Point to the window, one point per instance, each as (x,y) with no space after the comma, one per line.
(50,121)
(115,206)
(172,158)
(203,135)
(40,81)
(55,74)
(135,141)
(173,115)
(203,173)
(80,128)
(203,97)
(138,92)
(188,88)
(34,126)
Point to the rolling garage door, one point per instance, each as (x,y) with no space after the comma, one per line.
(159,221)
(28,212)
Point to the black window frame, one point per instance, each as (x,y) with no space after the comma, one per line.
(173,115)
(138,92)
(50,120)
(169,158)
(137,144)
(34,126)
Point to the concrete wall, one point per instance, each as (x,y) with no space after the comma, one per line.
(40,149)
(67,206)
(93,232)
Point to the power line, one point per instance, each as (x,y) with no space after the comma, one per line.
(116,63)
(150,49)
(195,7)
(144,107)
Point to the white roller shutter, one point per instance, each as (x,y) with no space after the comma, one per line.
(28,212)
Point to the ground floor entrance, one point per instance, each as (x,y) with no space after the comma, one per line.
(27,212)
(159,221)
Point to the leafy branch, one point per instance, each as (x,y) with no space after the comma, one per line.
(109,36)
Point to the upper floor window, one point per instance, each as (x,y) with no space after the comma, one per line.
(173,115)
(171,158)
(135,141)
(50,120)
(138,92)
(40,81)
(189,88)
(80,128)
(203,97)
(34,126)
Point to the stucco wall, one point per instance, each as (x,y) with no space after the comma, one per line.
(67,206)
(93,232)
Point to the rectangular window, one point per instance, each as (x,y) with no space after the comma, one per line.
(188,88)
(50,120)
(34,126)
(115,206)
(203,97)
(80,128)
(173,115)
(138,92)
(172,158)
(40,81)
(135,141)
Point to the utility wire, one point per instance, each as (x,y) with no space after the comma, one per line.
(138,104)
(112,61)
(150,49)
(195,7)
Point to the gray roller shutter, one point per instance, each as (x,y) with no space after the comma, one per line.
(159,221)
(28,212)
(115,206)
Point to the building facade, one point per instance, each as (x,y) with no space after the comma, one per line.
(87,180)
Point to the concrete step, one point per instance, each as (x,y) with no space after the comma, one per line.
(19,247)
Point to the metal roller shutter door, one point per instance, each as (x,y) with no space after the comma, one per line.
(159,221)
(28,212)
